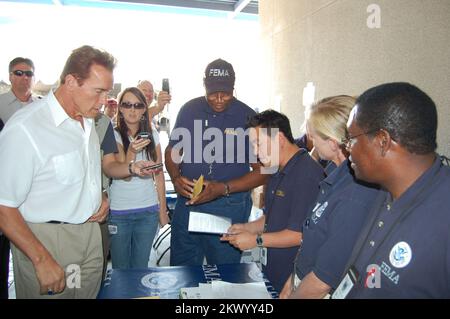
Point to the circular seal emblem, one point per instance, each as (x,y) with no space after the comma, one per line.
(400,255)
(158,280)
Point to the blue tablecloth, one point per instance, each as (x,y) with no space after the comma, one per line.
(165,282)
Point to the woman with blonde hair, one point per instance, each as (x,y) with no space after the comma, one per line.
(341,207)
(138,203)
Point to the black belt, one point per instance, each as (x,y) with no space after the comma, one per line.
(57,222)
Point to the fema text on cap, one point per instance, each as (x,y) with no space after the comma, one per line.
(218,72)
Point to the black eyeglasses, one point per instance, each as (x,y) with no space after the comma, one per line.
(137,105)
(349,141)
(20,73)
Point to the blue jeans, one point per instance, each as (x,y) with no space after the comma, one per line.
(131,239)
(191,248)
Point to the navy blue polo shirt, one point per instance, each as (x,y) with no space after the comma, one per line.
(409,240)
(331,230)
(302,142)
(214,144)
(109,145)
(289,196)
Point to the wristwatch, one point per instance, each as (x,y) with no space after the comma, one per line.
(259,240)
(129,168)
(227,190)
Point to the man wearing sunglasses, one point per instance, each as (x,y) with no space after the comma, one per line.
(21,76)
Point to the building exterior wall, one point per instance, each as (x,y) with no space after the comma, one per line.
(336,45)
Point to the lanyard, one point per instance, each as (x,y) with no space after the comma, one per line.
(213,151)
(403,215)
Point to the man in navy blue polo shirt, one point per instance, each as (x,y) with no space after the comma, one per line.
(291,191)
(403,250)
(209,139)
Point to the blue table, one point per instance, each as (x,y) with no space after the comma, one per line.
(165,282)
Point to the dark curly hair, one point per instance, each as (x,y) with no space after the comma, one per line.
(403,110)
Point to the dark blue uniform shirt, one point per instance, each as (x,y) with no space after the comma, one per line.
(330,231)
(409,239)
(289,196)
(221,136)
(109,145)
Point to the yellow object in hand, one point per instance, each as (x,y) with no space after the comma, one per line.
(198,187)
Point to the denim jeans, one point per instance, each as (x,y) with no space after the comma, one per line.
(131,239)
(191,248)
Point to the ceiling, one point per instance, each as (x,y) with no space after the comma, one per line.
(236,6)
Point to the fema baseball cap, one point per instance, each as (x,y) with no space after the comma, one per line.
(219,77)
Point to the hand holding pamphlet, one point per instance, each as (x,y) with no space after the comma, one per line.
(208,223)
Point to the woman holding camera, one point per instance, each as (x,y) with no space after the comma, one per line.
(137,203)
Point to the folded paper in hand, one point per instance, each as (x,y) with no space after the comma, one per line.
(207,223)
(198,187)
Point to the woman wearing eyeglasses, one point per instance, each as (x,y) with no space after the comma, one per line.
(137,203)
(340,209)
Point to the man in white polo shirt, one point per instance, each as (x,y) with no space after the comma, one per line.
(50,186)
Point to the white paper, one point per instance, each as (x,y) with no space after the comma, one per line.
(205,290)
(207,223)
(227,290)
(218,289)
(190,293)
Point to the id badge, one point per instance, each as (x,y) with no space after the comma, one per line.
(263,256)
(112,229)
(346,284)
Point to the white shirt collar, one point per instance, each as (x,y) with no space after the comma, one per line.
(58,113)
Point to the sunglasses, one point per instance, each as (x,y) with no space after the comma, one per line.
(137,105)
(20,73)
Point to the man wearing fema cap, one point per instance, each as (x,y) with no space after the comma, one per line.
(209,139)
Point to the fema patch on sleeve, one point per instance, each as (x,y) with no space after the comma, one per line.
(400,255)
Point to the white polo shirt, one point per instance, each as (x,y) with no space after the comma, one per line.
(49,166)
(10,104)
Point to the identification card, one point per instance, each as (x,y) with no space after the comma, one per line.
(346,284)
(112,229)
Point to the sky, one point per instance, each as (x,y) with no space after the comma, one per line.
(149,42)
